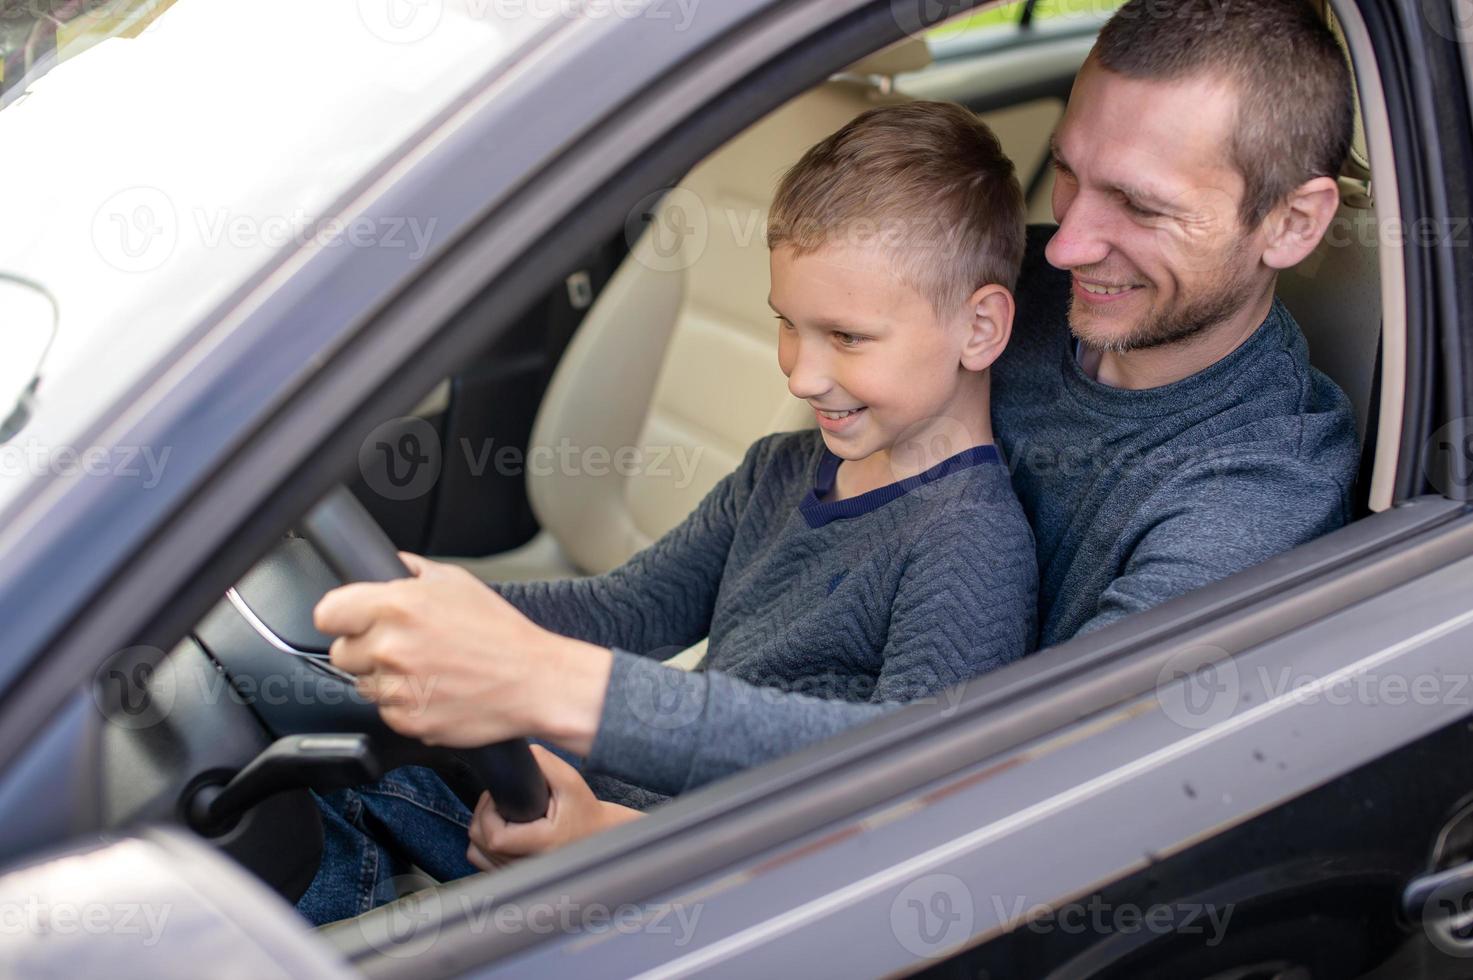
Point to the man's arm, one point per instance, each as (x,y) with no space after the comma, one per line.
(1217,521)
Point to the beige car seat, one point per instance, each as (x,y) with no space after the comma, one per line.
(1335,294)
(673,373)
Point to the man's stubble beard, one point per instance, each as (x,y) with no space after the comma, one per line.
(1164,327)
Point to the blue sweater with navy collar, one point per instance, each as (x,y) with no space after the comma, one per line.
(858,604)
(1136,497)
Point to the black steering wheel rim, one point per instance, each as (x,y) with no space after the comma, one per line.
(347,537)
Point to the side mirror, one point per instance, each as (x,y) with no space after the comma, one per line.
(28,324)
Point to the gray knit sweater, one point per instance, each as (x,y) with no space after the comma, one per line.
(1135,497)
(1139,496)
(820,615)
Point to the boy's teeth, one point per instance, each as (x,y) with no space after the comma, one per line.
(1103,290)
(837,415)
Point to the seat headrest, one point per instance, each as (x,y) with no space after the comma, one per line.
(911,54)
(1355,176)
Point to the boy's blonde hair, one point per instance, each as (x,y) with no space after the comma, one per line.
(925,180)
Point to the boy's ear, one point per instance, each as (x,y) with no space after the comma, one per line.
(989,325)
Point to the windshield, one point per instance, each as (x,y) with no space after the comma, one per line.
(158,153)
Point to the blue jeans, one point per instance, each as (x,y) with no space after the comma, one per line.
(373,833)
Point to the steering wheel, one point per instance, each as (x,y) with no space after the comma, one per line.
(330,736)
(355,547)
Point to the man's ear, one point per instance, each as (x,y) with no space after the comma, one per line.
(989,325)
(1293,228)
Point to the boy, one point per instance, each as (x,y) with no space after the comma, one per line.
(872,561)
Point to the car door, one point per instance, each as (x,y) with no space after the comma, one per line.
(814,862)
(1257,779)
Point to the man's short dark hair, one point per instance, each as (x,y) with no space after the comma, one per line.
(1295,110)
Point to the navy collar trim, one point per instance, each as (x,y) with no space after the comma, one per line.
(817,513)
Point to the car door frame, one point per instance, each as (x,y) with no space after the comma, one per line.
(1434,396)
(271,474)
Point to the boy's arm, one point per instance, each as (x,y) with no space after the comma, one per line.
(672,730)
(660,601)
(963,608)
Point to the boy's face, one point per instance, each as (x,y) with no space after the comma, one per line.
(865,349)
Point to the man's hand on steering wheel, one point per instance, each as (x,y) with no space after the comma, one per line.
(450,662)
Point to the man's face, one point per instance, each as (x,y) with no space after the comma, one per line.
(864,349)
(1147,200)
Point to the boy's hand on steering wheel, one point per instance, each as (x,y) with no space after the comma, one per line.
(573,812)
(450,662)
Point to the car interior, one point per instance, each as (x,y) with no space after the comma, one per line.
(668,348)
(696,378)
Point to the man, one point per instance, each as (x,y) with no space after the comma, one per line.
(1181,435)
(1184,435)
